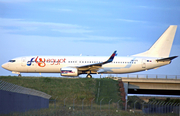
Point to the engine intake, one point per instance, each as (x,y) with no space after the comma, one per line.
(68,71)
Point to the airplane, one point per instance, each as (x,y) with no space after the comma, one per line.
(155,57)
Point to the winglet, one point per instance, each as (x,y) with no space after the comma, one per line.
(111,57)
(101,63)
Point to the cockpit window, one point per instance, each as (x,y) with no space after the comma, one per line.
(12,60)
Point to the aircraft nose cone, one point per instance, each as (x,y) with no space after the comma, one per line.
(5,66)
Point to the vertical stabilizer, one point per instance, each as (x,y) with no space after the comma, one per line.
(162,47)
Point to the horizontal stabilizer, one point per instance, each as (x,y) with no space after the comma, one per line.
(167,59)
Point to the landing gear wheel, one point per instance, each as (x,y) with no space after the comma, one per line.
(19,75)
(88,76)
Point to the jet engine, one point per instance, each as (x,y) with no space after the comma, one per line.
(68,71)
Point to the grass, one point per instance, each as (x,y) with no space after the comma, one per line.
(57,87)
(108,90)
(61,111)
(79,88)
(71,88)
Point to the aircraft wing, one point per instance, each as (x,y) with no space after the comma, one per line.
(166,59)
(96,66)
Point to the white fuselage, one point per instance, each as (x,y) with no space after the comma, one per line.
(156,56)
(53,64)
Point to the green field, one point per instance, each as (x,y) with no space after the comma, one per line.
(71,88)
(80,88)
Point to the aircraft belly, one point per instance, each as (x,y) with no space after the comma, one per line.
(123,69)
(18,68)
(48,69)
(155,65)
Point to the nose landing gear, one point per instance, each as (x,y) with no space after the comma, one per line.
(88,76)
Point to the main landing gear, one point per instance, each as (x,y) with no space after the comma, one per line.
(88,76)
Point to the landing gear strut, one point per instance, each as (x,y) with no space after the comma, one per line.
(88,76)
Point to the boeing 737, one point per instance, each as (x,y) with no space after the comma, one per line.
(155,57)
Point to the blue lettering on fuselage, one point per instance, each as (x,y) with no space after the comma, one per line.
(29,62)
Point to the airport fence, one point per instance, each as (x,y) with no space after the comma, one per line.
(147,76)
(161,108)
(116,107)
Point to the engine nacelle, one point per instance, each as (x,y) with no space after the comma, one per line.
(68,71)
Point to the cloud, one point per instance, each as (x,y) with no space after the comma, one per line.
(102,39)
(147,7)
(131,21)
(75,39)
(62,10)
(22,1)
(66,10)
(22,25)
(14,1)
(159,8)
(21,22)
(71,32)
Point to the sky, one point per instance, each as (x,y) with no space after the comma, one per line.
(87,27)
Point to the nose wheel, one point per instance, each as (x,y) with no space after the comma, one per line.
(88,76)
